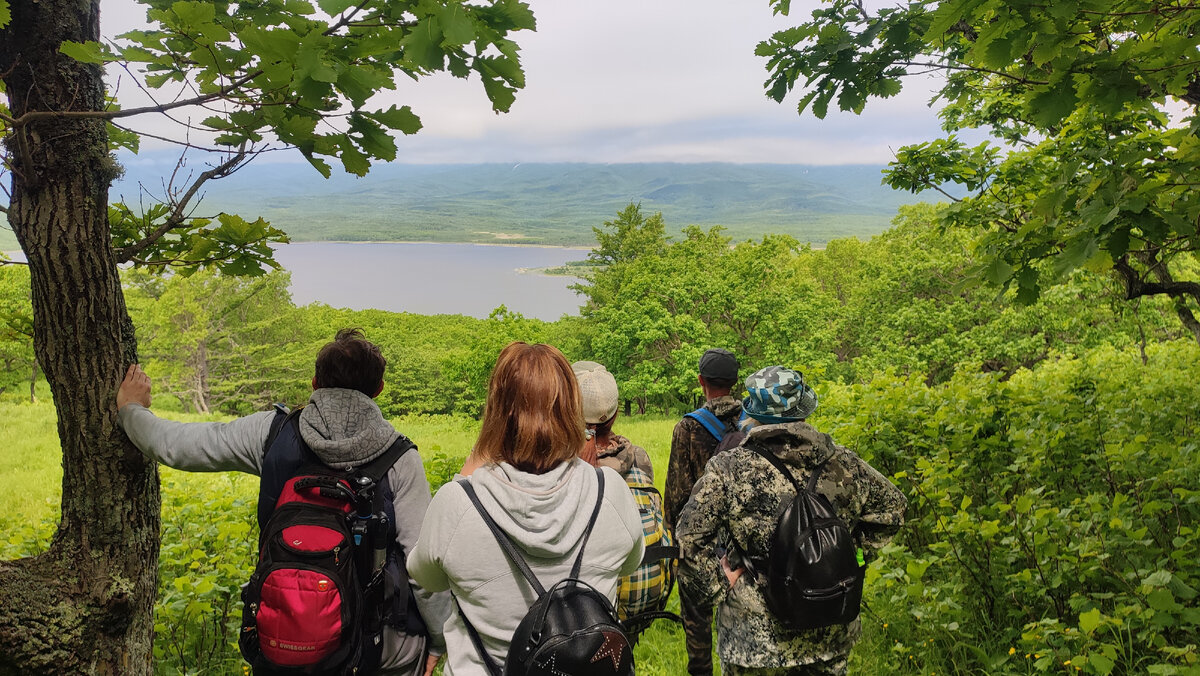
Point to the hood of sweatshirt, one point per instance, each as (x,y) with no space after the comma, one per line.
(345,428)
(540,512)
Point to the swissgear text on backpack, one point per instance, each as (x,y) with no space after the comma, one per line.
(642,596)
(328,577)
(570,629)
(813,577)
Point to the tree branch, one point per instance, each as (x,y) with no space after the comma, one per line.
(33,116)
(179,212)
(1135,286)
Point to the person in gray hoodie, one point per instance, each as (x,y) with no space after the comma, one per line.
(344,427)
(526,470)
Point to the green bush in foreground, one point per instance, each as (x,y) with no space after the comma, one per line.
(1051,523)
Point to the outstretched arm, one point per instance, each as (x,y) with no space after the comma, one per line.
(195,447)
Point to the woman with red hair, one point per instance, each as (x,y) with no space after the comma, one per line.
(526,472)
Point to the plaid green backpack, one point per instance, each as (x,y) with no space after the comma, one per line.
(642,596)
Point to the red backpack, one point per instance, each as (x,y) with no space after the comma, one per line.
(326,577)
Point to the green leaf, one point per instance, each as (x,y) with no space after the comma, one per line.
(401,119)
(1053,104)
(1075,254)
(320,165)
(499,92)
(311,63)
(5,13)
(335,7)
(374,140)
(194,14)
(353,160)
(1088,621)
(1162,599)
(998,271)
(86,52)
(422,47)
(457,26)
(1102,664)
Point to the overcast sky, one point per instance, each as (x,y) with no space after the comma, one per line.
(635,81)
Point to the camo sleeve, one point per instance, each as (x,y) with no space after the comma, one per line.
(697,530)
(882,512)
(682,469)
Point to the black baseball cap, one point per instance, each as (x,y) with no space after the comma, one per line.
(718,364)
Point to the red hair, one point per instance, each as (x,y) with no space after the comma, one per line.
(533,418)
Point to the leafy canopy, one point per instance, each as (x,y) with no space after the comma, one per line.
(279,74)
(1085,167)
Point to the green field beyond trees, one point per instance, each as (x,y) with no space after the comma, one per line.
(1048,451)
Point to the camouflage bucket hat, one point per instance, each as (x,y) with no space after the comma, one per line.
(777,395)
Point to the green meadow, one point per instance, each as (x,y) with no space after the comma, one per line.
(209,534)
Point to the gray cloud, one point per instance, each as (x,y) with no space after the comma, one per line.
(630,81)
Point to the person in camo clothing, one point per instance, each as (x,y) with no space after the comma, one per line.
(737,500)
(691,447)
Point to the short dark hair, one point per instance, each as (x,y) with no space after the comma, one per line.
(351,362)
(721,383)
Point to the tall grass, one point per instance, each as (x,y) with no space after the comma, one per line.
(208,534)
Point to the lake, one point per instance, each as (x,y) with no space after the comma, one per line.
(429,278)
(468,279)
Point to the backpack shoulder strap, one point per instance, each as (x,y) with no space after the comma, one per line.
(587,533)
(489,662)
(281,415)
(709,420)
(378,468)
(506,544)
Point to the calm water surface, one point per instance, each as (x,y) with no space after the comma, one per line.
(469,279)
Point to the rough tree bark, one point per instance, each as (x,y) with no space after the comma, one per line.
(84,606)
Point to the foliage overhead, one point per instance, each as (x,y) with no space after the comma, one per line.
(262,76)
(1087,167)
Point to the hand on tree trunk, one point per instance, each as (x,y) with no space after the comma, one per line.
(135,388)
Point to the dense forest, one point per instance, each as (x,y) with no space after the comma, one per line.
(1047,450)
(901,302)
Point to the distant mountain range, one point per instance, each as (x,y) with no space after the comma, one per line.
(543,203)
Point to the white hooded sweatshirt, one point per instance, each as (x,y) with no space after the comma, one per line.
(545,515)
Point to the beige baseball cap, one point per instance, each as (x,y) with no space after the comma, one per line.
(599,390)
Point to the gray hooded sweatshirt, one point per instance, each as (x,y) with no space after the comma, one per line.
(545,515)
(345,429)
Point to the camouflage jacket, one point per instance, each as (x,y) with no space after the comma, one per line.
(691,447)
(736,501)
(622,455)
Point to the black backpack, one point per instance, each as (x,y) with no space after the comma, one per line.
(813,575)
(329,575)
(570,629)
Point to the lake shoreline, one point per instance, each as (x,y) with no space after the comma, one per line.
(448,243)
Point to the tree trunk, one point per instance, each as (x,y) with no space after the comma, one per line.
(84,606)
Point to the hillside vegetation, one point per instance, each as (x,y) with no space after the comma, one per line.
(1048,452)
(544,203)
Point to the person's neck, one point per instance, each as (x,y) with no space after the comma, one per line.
(710,396)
